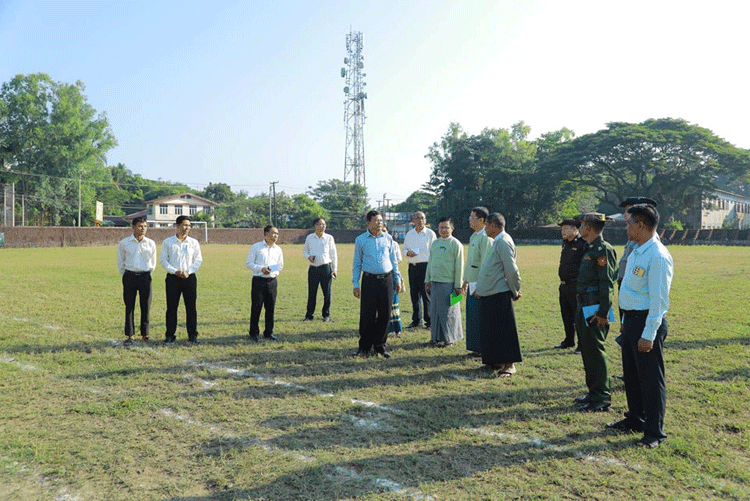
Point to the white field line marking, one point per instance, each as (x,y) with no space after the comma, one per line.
(257,442)
(533,442)
(307,389)
(386,484)
(544,445)
(13,361)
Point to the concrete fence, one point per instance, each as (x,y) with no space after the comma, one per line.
(63,236)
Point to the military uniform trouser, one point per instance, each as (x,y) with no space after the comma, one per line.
(591,343)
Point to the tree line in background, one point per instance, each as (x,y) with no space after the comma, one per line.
(54,145)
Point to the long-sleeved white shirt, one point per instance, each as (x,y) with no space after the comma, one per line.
(262,255)
(419,243)
(182,255)
(133,255)
(324,250)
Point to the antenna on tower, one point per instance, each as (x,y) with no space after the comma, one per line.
(354,109)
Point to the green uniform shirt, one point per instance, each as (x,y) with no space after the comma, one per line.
(597,276)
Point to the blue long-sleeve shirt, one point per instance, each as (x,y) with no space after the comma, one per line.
(376,255)
(646,284)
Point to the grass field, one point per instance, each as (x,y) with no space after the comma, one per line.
(83,418)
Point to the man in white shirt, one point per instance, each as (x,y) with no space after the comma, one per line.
(181,257)
(136,260)
(417,245)
(266,260)
(320,251)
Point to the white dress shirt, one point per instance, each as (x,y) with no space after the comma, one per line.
(261,256)
(182,255)
(324,250)
(419,242)
(133,255)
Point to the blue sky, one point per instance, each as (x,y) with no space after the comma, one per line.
(247,93)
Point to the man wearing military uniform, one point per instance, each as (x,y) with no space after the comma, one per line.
(573,248)
(596,279)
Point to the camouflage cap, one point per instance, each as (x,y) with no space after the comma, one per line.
(637,200)
(570,222)
(594,217)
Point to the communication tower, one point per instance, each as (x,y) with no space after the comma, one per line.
(354,109)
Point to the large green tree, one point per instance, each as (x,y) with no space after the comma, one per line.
(54,137)
(346,202)
(498,169)
(669,160)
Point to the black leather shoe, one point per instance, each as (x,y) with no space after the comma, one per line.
(361,353)
(306,319)
(624,425)
(383,354)
(413,326)
(583,400)
(128,341)
(254,339)
(649,443)
(595,407)
(563,346)
(194,340)
(169,340)
(270,337)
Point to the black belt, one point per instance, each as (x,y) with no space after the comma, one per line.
(418,264)
(634,313)
(268,279)
(138,272)
(380,276)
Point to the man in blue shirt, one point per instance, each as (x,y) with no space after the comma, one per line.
(644,300)
(376,261)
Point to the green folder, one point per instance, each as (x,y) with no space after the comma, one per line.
(456,298)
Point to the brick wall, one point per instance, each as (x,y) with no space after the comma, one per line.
(62,236)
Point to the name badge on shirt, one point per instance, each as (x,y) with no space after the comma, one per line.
(638,271)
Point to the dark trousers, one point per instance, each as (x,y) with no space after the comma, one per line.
(319,275)
(188,289)
(262,295)
(645,384)
(420,298)
(136,283)
(376,299)
(568,304)
(499,334)
(591,341)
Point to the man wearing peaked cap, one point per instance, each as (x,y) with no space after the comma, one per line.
(595,287)
(636,200)
(573,248)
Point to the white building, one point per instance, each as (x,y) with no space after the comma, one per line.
(720,208)
(165,210)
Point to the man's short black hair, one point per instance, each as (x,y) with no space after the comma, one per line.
(644,213)
(372,214)
(317,220)
(180,219)
(139,220)
(444,219)
(496,219)
(268,228)
(481,212)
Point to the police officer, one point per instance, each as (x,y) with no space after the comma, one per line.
(596,279)
(573,248)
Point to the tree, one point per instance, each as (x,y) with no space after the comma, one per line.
(497,169)
(55,138)
(220,193)
(420,200)
(346,202)
(669,160)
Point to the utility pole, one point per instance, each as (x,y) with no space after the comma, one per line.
(79,199)
(272,202)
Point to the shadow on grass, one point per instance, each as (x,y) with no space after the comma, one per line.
(406,474)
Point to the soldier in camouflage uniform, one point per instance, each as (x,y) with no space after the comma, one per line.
(596,278)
